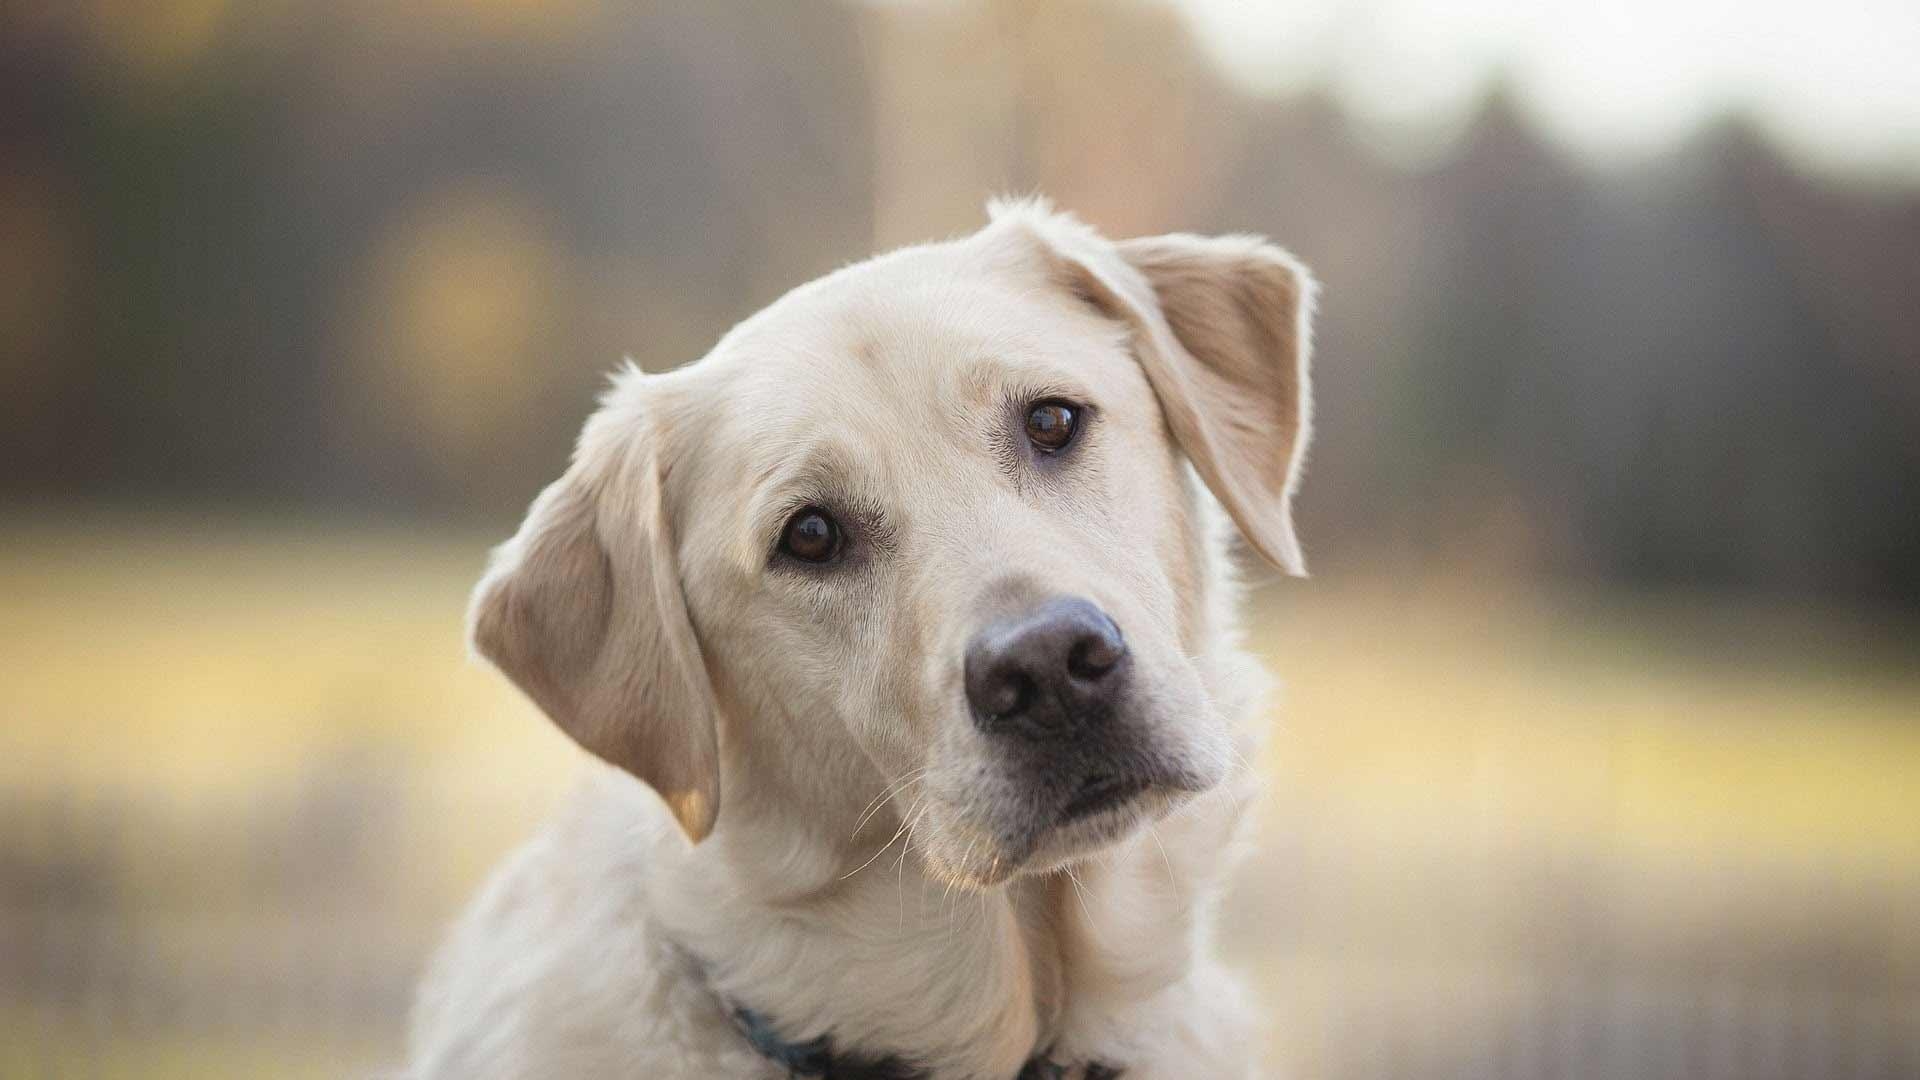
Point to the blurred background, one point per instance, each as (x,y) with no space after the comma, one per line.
(1600,749)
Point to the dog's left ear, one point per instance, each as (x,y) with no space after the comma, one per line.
(1222,326)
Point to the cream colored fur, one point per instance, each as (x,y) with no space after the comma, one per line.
(796,814)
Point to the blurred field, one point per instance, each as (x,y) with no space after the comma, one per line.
(246,773)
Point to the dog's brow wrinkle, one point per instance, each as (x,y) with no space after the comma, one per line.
(809,473)
(979,381)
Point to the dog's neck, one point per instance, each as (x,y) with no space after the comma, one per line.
(791,920)
(886,960)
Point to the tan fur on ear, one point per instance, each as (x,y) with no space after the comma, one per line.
(583,610)
(1222,326)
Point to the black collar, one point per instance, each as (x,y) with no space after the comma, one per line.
(815,1059)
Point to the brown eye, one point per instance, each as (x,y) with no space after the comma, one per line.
(811,536)
(1050,425)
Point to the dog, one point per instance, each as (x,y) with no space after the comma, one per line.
(903,626)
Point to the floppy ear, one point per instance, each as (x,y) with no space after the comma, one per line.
(1222,326)
(583,610)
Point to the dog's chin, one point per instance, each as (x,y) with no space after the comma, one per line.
(1078,831)
(1079,835)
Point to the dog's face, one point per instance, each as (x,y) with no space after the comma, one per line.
(964,546)
(923,532)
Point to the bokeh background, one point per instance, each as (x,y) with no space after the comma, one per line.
(1600,749)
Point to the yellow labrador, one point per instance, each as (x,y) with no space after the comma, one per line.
(905,621)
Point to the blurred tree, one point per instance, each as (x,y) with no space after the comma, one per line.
(377,257)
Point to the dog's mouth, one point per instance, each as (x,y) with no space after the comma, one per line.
(1099,792)
(1049,812)
(1106,806)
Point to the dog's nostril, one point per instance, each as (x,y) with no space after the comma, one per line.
(1008,695)
(1095,655)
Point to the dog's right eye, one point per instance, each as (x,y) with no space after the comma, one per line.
(811,536)
(1050,425)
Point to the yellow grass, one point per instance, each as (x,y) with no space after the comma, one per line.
(1656,726)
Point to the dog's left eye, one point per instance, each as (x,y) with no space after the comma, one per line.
(811,536)
(1050,425)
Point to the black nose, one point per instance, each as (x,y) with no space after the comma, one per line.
(1050,670)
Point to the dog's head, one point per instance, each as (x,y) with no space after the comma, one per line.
(922,535)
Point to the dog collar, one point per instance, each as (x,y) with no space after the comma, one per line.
(815,1059)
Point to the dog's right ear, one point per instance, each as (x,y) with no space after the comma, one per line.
(583,610)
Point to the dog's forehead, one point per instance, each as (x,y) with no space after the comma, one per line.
(918,339)
(890,384)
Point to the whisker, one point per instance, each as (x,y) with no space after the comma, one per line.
(897,834)
(1172,883)
(1078,893)
(914,813)
(1242,758)
(873,807)
(952,880)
